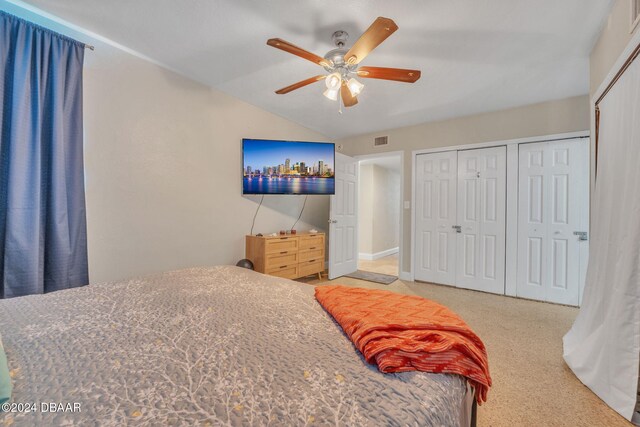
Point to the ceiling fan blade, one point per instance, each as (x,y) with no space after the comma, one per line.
(395,74)
(375,34)
(347,99)
(300,84)
(298,51)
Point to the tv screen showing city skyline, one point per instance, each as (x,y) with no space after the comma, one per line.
(287,167)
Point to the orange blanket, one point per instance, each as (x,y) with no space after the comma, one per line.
(408,333)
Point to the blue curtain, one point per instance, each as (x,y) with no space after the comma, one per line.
(43,237)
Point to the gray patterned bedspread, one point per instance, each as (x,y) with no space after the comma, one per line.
(205,346)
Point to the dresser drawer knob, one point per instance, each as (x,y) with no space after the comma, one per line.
(312,247)
(283,252)
(312,260)
(284,266)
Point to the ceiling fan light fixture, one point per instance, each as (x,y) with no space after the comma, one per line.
(355,87)
(333,81)
(331,93)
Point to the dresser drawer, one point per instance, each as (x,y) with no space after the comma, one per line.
(281,245)
(286,271)
(310,267)
(312,255)
(312,242)
(289,256)
(279,259)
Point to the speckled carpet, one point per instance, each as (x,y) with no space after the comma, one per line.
(532,386)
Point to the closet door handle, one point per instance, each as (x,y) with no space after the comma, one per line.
(582,235)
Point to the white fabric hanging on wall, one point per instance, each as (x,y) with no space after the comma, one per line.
(603,346)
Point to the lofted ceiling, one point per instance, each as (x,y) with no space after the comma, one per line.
(475,55)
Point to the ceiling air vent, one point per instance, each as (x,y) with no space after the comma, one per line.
(380,140)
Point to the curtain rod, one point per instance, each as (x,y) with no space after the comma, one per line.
(635,54)
(43,28)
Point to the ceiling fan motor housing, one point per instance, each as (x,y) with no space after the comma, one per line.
(336,56)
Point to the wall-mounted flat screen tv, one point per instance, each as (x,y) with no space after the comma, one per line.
(287,167)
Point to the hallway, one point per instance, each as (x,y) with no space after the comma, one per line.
(386,265)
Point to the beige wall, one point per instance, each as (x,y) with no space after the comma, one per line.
(365,204)
(163,164)
(386,215)
(378,209)
(614,38)
(553,117)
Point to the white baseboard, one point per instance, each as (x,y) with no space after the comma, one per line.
(378,255)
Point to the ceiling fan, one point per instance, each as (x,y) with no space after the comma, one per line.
(343,65)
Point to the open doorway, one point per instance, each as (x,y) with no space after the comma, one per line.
(379,213)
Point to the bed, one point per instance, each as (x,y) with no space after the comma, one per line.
(206,346)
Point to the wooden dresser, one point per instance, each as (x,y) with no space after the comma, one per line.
(291,256)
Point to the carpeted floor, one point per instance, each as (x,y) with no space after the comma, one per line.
(532,386)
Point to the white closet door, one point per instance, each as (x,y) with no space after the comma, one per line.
(435,237)
(482,185)
(552,196)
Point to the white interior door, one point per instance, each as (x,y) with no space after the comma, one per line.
(552,205)
(482,195)
(435,216)
(343,218)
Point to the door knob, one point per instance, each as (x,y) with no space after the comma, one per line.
(332,221)
(458,228)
